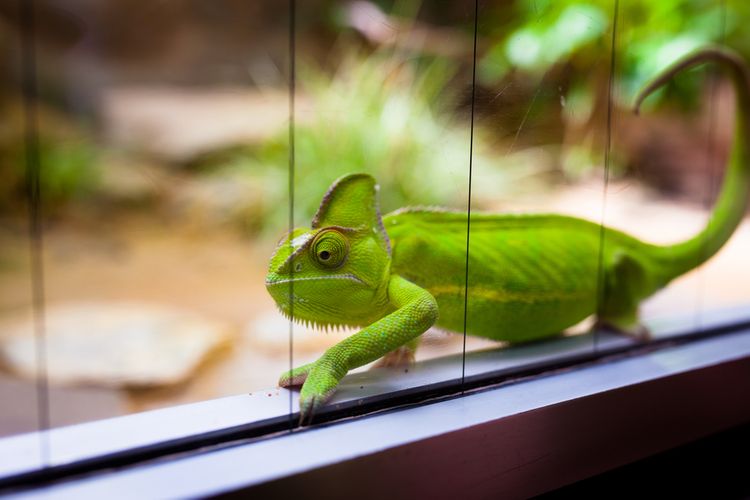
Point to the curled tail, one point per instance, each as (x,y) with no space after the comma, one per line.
(732,201)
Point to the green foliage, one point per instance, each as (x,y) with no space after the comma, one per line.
(536,46)
(567,44)
(67,168)
(650,35)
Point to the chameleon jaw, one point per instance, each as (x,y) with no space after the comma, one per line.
(289,298)
(351,277)
(311,323)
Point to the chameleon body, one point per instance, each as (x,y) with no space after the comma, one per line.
(529,276)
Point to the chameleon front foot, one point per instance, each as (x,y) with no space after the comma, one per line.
(296,377)
(317,390)
(318,383)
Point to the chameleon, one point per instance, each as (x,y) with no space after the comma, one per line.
(524,277)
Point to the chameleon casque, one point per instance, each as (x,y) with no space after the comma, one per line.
(529,275)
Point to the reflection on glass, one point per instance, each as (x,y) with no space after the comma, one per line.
(163,133)
(18,396)
(158,126)
(544,78)
(389,98)
(669,162)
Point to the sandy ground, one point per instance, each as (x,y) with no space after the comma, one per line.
(220,275)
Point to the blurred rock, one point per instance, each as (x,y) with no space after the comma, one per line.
(176,123)
(114,344)
(130,181)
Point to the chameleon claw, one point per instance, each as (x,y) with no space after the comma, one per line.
(308,407)
(306,414)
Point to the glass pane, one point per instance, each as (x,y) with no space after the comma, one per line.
(164,150)
(726,274)
(163,155)
(543,74)
(668,162)
(18,394)
(383,90)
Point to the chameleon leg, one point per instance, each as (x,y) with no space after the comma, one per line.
(415,311)
(400,357)
(626,325)
(624,285)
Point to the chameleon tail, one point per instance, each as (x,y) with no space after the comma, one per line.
(732,201)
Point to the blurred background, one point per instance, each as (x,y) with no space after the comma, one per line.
(164,151)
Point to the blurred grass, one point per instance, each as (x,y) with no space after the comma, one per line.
(67,158)
(392,116)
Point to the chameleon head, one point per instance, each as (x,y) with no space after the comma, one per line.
(337,271)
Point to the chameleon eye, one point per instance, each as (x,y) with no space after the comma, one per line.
(330,249)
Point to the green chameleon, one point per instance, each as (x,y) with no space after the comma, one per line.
(529,276)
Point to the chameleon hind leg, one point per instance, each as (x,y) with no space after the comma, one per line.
(400,357)
(626,324)
(624,285)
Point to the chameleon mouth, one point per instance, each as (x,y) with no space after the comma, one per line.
(350,277)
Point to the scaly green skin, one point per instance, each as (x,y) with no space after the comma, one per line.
(530,276)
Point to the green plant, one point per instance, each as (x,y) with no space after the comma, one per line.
(650,35)
(67,159)
(385,114)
